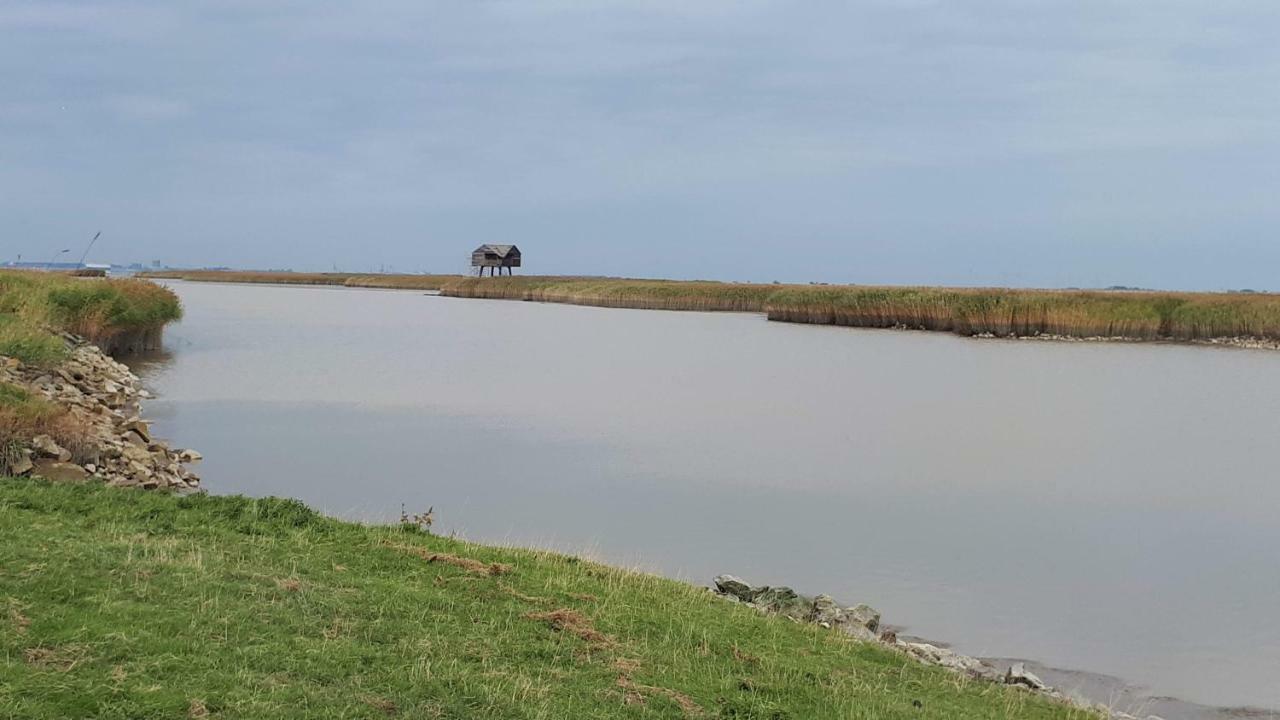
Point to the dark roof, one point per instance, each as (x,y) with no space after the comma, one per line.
(500,250)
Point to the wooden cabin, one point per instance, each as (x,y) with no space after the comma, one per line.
(495,257)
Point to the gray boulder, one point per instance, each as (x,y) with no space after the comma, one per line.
(734,587)
(784,601)
(825,612)
(1019,675)
(865,616)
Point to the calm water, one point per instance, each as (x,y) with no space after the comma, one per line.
(1105,507)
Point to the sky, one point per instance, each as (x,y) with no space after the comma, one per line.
(989,142)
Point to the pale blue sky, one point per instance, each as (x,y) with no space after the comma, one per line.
(1014,142)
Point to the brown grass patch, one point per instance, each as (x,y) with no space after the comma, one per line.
(19,621)
(634,694)
(383,705)
(196,709)
(62,659)
(470,565)
(24,415)
(521,596)
(573,622)
(584,597)
(336,629)
(289,584)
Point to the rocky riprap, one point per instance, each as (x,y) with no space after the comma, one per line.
(862,622)
(104,396)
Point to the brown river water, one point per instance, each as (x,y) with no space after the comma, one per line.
(1097,506)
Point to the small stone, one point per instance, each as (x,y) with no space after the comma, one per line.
(950,659)
(56,471)
(134,438)
(21,466)
(1019,675)
(783,601)
(864,615)
(140,427)
(189,456)
(47,447)
(825,611)
(725,584)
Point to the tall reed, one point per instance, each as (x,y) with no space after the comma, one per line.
(32,304)
(619,293)
(966,311)
(1131,315)
(373,280)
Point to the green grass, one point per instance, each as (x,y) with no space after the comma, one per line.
(32,304)
(126,604)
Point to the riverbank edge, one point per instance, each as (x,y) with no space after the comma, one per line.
(103,400)
(1128,317)
(1000,313)
(577,601)
(334,279)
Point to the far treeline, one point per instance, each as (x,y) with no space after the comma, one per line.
(1135,315)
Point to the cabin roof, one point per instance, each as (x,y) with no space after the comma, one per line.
(500,250)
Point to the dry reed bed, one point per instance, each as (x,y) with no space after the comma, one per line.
(618,293)
(399,282)
(965,311)
(1029,313)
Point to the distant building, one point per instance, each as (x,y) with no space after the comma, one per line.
(495,257)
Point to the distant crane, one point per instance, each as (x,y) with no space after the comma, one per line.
(90,247)
(55,257)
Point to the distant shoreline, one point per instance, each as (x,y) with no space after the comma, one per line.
(1242,320)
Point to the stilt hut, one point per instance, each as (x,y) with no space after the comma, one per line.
(495,257)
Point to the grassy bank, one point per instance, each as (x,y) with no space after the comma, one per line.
(397,282)
(967,311)
(34,305)
(124,604)
(620,293)
(1134,315)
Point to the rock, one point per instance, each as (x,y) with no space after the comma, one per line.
(783,601)
(857,632)
(47,447)
(866,616)
(825,612)
(102,396)
(725,584)
(861,621)
(140,427)
(190,456)
(134,438)
(56,471)
(950,659)
(1019,675)
(21,466)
